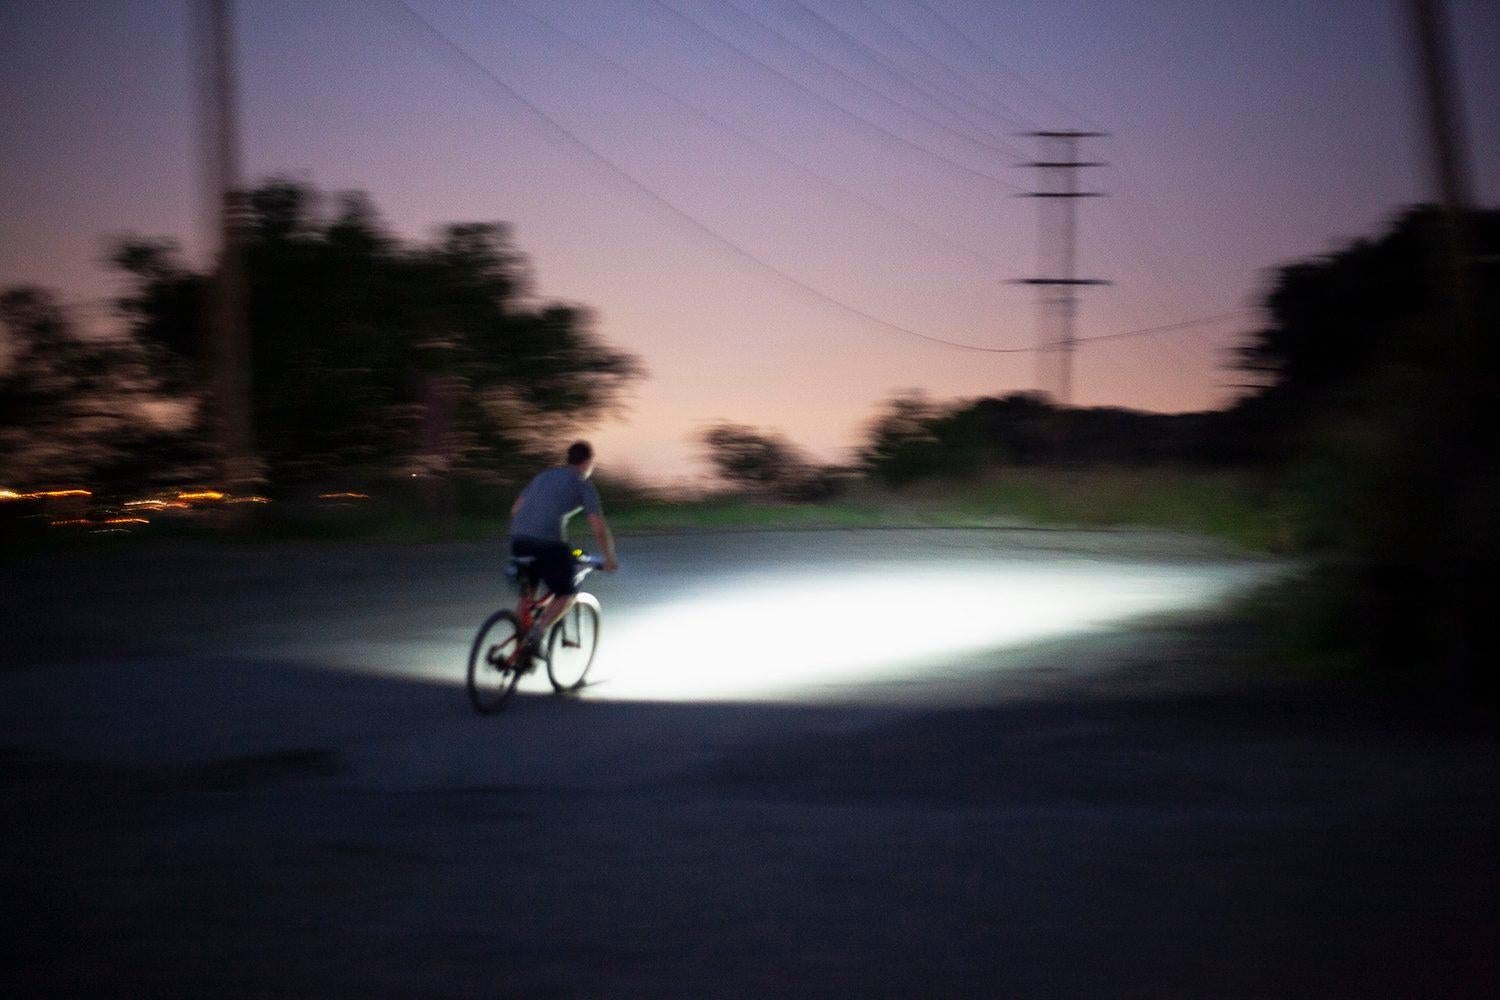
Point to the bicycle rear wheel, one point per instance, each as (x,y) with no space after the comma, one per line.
(495,662)
(572,644)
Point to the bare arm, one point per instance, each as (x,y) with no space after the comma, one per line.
(606,541)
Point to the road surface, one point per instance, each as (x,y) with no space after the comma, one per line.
(816,764)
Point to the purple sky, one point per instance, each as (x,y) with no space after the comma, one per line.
(1244,134)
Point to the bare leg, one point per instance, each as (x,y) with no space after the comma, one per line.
(555,609)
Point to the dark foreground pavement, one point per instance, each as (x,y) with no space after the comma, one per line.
(206,807)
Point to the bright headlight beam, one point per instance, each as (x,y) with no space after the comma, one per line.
(778,640)
(841,632)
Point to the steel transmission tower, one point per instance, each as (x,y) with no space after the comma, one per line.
(1057,257)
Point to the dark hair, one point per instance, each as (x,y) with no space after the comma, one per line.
(580,452)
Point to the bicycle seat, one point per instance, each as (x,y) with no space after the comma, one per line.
(519,566)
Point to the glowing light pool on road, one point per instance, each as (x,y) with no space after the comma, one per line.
(773,639)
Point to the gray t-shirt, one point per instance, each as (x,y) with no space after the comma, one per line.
(549,500)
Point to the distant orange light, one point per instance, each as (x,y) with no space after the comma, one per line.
(201,495)
(125,520)
(248,500)
(156,504)
(42,494)
(343,496)
(70,521)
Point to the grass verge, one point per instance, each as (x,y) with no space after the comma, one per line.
(1232,507)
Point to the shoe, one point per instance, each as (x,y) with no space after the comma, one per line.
(535,649)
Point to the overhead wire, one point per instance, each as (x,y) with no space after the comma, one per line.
(914,224)
(1001,64)
(1130,194)
(1147,331)
(421,22)
(957,73)
(1058,102)
(621,174)
(823,99)
(995,146)
(870,53)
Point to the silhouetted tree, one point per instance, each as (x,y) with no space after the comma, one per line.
(758,462)
(1333,320)
(373,355)
(900,443)
(913,438)
(79,410)
(1389,402)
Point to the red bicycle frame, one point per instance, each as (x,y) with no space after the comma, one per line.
(528,605)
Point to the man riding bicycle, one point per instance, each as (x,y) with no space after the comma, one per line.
(539,529)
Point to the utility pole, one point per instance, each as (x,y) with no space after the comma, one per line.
(1449,163)
(228,328)
(1057,254)
(1449,598)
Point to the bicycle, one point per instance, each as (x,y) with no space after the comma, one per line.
(501,653)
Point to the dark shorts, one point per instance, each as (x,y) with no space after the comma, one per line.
(554,565)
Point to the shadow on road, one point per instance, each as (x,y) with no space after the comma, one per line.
(1287,843)
(254,773)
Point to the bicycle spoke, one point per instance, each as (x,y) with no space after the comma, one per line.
(492,671)
(497,658)
(572,645)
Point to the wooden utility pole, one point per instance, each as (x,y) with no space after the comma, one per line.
(1058,258)
(1449,158)
(228,323)
(1440,100)
(1445,538)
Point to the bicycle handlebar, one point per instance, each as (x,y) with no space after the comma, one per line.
(582,563)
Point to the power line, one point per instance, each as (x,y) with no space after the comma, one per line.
(1006,67)
(991,178)
(703,229)
(1010,114)
(1126,195)
(1138,197)
(724,242)
(1122,173)
(1165,328)
(890,67)
(904,106)
(746,137)
(995,147)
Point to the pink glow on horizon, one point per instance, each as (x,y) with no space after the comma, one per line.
(1244,136)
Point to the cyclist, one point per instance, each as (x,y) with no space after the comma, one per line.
(539,529)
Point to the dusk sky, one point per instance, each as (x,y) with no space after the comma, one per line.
(1243,134)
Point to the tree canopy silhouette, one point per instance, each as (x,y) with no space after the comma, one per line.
(766,464)
(372,354)
(1333,320)
(1386,382)
(75,409)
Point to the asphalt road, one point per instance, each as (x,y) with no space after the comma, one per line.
(855,763)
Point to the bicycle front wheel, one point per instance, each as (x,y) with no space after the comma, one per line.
(495,662)
(572,644)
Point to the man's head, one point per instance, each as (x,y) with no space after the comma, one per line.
(581,457)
